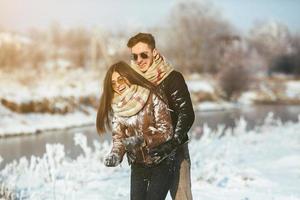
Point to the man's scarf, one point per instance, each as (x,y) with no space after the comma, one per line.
(157,72)
(130,102)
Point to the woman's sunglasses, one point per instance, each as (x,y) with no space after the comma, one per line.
(143,56)
(120,81)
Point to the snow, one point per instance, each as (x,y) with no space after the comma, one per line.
(214,106)
(17,124)
(247,98)
(32,86)
(199,85)
(293,89)
(62,63)
(263,163)
(13,39)
(48,84)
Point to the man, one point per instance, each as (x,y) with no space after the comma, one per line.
(147,62)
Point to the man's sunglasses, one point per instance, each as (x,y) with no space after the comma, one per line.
(143,56)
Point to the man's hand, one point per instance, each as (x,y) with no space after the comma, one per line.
(132,142)
(112,160)
(162,151)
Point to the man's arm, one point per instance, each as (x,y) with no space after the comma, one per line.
(180,101)
(183,108)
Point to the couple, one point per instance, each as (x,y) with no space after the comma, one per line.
(148,107)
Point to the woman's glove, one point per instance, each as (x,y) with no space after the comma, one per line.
(112,160)
(132,142)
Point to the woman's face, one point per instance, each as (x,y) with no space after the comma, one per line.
(119,83)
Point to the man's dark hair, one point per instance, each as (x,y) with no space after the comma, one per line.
(142,37)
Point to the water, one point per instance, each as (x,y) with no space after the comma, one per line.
(16,147)
(254,115)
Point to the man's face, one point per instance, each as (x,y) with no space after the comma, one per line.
(142,55)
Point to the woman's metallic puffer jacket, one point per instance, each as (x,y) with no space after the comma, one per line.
(153,122)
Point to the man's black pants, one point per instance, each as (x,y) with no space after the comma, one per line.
(151,183)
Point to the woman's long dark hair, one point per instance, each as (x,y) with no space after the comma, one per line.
(103,121)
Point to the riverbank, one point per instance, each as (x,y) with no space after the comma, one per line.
(37,101)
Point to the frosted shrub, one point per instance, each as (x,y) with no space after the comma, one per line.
(270,120)
(101,149)
(53,158)
(81,141)
(241,126)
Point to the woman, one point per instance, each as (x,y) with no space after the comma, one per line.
(140,121)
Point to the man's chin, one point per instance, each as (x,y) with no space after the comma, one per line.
(143,69)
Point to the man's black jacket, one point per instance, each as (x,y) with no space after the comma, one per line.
(179,101)
(181,109)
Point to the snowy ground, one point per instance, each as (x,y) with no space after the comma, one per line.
(12,123)
(293,89)
(26,86)
(263,163)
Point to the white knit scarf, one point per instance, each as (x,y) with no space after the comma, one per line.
(131,101)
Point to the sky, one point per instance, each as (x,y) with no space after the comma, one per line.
(119,14)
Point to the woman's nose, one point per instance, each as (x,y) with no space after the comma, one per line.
(117,85)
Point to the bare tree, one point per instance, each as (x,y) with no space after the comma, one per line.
(270,40)
(288,63)
(77,41)
(191,37)
(236,71)
(36,51)
(12,52)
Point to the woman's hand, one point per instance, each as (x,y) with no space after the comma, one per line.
(112,160)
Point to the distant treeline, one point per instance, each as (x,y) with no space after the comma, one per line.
(193,37)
